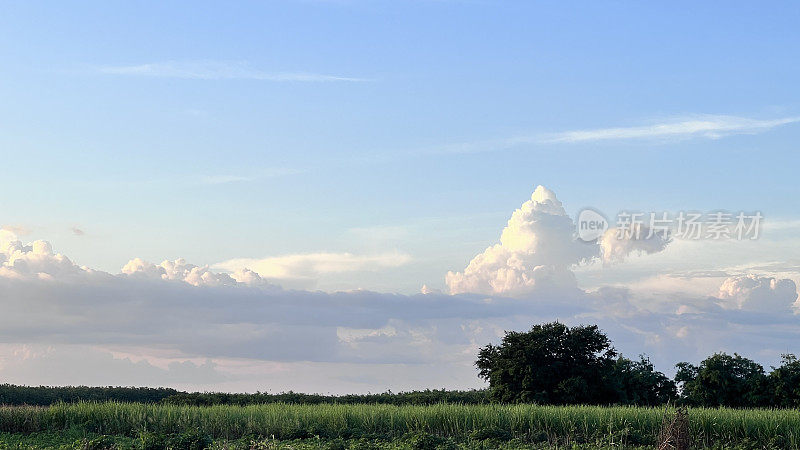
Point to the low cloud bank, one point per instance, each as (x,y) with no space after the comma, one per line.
(235,327)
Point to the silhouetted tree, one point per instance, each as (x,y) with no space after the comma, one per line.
(723,380)
(639,383)
(784,383)
(551,363)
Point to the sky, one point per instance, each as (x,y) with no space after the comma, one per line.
(343,195)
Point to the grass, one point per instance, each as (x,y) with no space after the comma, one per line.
(385,426)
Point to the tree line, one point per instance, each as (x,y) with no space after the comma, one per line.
(556,364)
(48,395)
(550,364)
(425,397)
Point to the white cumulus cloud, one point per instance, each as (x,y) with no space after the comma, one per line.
(536,250)
(180,270)
(753,292)
(34,260)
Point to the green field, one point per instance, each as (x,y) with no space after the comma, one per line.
(118,425)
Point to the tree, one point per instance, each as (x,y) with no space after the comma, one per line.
(638,383)
(551,363)
(723,380)
(784,383)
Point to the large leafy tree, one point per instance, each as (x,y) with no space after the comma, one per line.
(724,380)
(553,363)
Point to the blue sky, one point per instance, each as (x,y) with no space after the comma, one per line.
(402,134)
(125,156)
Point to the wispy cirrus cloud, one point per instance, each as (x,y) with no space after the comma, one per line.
(310,265)
(258,175)
(225,179)
(16,229)
(699,126)
(217,70)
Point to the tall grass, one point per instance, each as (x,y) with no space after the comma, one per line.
(554,424)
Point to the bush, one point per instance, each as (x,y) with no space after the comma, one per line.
(151,441)
(423,441)
(190,440)
(98,443)
(493,433)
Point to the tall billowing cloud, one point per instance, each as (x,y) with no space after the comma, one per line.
(536,250)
